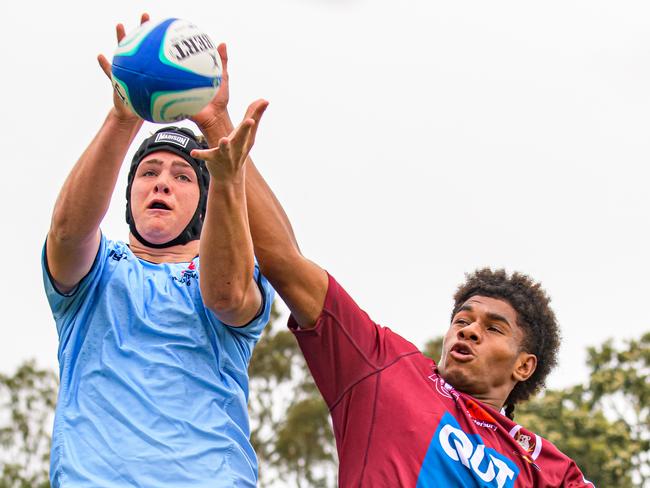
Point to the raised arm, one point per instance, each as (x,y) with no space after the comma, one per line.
(301,283)
(73,238)
(226,249)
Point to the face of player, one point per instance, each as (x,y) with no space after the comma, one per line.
(164,196)
(481,353)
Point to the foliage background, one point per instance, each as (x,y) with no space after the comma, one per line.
(603,425)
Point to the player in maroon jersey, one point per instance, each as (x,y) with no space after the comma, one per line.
(399,419)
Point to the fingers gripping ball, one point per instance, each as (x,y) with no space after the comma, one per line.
(166,71)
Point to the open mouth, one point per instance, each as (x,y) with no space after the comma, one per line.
(461,351)
(159,205)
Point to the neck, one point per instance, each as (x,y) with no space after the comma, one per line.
(491,402)
(181,253)
(495,398)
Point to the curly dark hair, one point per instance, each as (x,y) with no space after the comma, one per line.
(534,316)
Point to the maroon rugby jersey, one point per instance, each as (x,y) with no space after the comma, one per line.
(398,424)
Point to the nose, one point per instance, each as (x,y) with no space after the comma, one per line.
(161,187)
(470,332)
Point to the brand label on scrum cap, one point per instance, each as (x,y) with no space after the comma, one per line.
(172,137)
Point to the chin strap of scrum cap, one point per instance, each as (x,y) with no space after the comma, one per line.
(180,141)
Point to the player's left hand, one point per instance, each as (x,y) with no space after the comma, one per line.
(227,159)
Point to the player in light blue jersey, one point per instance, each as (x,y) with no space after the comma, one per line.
(154,342)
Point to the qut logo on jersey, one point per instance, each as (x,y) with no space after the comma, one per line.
(455,458)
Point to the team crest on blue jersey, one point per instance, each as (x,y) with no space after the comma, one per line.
(455,458)
(187,275)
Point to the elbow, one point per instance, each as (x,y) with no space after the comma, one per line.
(60,228)
(62,225)
(223,300)
(66,230)
(62,231)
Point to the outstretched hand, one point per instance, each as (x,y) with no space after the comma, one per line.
(122,111)
(227,159)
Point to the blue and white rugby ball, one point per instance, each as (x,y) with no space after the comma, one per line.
(166,71)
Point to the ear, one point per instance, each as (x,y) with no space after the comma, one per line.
(525,366)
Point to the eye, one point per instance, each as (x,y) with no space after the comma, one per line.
(184,178)
(492,328)
(149,172)
(461,321)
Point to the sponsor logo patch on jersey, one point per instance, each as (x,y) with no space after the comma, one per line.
(479,415)
(456,458)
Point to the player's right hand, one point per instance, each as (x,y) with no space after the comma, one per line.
(214,119)
(226,160)
(123,112)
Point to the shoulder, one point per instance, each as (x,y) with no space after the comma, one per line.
(541,452)
(117,250)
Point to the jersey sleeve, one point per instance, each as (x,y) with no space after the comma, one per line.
(254,328)
(246,336)
(346,346)
(64,306)
(575,479)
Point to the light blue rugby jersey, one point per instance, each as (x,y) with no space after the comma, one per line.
(154,387)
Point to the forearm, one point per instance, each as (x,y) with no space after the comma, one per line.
(259,193)
(217,126)
(227,280)
(274,241)
(86,193)
(301,283)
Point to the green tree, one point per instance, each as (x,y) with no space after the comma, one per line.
(27,400)
(290,428)
(602,425)
(433,349)
(601,447)
(619,386)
